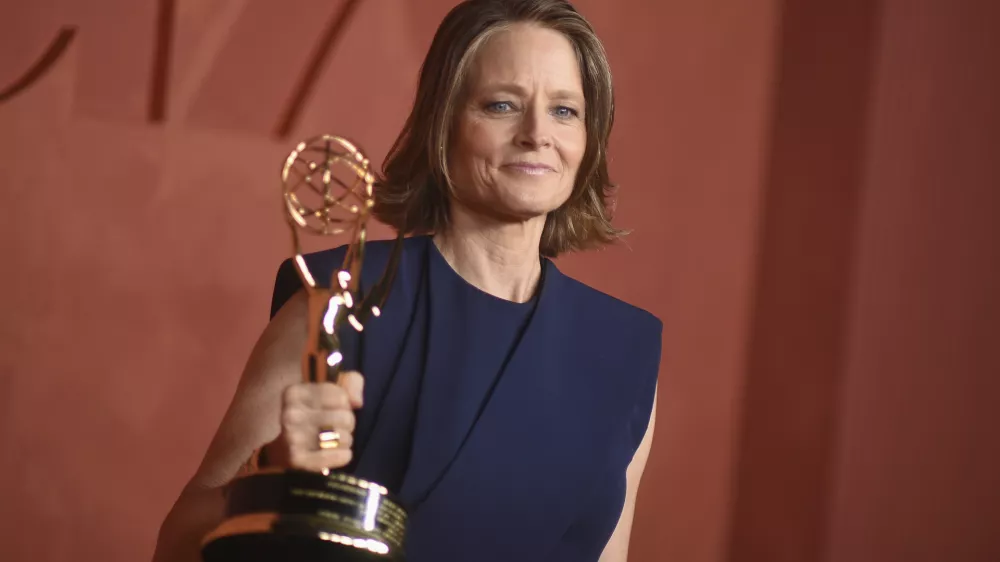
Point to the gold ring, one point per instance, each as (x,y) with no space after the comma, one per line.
(329,438)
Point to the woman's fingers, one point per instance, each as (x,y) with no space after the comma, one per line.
(319,460)
(312,409)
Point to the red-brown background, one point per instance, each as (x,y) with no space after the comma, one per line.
(814,189)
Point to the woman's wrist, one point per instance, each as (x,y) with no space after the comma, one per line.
(272,454)
(265,456)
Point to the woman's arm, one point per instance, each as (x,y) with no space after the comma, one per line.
(253,419)
(617,548)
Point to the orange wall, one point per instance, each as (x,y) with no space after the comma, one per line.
(917,472)
(813,191)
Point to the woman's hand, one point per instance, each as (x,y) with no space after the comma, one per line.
(317,424)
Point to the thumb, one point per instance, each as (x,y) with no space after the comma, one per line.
(354,383)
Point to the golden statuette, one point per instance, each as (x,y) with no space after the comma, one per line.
(275,514)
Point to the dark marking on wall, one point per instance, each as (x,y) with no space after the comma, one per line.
(163,47)
(52,54)
(334,31)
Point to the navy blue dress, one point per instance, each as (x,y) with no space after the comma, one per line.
(504,428)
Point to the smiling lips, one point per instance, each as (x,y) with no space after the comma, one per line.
(529,168)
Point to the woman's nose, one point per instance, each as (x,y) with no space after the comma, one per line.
(534,130)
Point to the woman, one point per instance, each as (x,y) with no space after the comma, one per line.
(509,407)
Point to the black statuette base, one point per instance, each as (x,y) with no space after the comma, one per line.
(303,516)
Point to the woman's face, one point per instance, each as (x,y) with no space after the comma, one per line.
(520,133)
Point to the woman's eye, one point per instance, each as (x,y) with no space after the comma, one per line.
(499,107)
(565,112)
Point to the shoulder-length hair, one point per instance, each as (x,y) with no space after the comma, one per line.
(412,195)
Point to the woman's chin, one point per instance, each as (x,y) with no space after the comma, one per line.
(531,203)
(527,211)
(514,204)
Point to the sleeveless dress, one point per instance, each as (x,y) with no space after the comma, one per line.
(503,428)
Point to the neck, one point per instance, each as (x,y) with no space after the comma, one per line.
(499,258)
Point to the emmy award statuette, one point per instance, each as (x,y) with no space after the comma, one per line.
(277,514)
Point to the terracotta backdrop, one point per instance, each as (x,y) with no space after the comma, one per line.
(814,190)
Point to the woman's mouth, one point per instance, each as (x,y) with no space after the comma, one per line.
(529,168)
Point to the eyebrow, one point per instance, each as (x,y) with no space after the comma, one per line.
(568,95)
(516,89)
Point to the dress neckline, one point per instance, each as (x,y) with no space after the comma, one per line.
(440,262)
